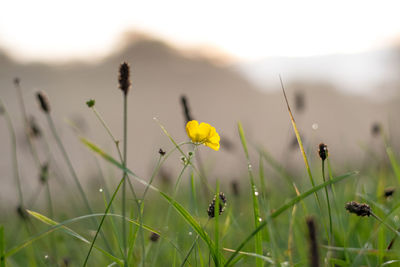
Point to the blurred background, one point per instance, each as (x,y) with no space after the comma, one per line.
(339,62)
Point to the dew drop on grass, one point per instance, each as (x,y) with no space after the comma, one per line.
(46,256)
(314,126)
(256,193)
(259,219)
(101,190)
(190,233)
(396,218)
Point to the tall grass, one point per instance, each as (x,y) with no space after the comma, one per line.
(264,222)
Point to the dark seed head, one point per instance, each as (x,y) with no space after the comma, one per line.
(124,77)
(44,173)
(161,152)
(312,234)
(66,262)
(376,129)
(22,213)
(222,204)
(17,81)
(34,129)
(299,101)
(360,209)
(323,151)
(154,237)
(389,192)
(43,101)
(186,110)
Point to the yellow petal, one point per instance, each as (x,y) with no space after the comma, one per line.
(192,129)
(214,146)
(204,131)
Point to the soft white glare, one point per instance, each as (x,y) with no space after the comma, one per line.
(55,30)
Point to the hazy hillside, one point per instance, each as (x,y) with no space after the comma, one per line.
(218,95)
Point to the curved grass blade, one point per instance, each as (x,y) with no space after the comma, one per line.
(286,206)
(262,257)
(62,225)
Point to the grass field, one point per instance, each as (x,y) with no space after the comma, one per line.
(271,217)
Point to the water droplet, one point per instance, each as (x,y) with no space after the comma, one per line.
(46,256)
(190,233)
(249,166)
(259,219)
(256,193)
(396,218)
(314,126)
(101,190)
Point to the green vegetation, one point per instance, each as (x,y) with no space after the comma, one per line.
(188,221)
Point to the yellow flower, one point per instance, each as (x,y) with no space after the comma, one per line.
(203,133)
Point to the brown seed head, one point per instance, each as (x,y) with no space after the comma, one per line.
(17,81)
(124,77)
(161,152)
(43,101)
(186,110)
(376,129)
(22,213)
(323,151)
(360,209)
(34,129)
(312,234)
(154,237)
(389,191)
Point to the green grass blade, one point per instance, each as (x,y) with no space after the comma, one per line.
(2,247)
(286,206)
(195,225)
(393,162)
(216,224)
(254,193)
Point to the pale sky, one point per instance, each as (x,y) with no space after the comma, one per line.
(54,30)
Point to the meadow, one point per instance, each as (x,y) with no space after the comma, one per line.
(318,217)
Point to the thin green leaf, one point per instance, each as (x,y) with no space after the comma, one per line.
(60,225)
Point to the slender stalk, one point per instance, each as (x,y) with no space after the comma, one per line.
(329,205)
(124,179)
(216,223)
(51,213)
(32,148)
(14,154)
